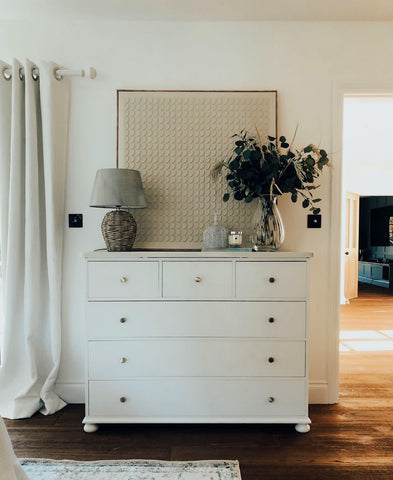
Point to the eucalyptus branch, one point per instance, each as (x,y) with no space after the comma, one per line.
(256,169)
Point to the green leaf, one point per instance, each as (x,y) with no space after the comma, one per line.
(322,162)
(234,165)
(258,189)
(284,145)
(239,195)
(256,155)
(308,149)
(323,153)
(239,143)
(305,203)
(317,200)
(238,150)
(294,197)
(317,211)
(310,161)
(283,139)
(226,197)
(249,198)
(246,154)
(271,139)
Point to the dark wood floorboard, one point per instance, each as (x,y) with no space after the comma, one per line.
(350,440)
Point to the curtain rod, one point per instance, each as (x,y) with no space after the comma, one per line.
(59,73)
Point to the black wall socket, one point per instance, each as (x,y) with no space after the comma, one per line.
(314,221)
(75,220)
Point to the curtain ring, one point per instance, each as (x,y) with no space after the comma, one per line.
(21,74)
(35,75)
(6,75)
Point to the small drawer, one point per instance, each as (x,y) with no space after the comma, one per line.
(271,280)
(121,320)
(122,280)
(196,358)
(198,399)
(197,280)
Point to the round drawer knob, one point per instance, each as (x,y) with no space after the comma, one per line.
(271,359)
(272,320)
(272,279)
(123,360)
(123,320)
(270,399)
(123,399)
(123,279)
(198,279)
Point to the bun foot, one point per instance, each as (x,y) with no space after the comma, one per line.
(90,427)
(302,427)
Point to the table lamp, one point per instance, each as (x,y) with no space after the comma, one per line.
(118,188)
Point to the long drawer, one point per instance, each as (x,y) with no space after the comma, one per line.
(196,358)
(273,280)
(196,319)
(122,280)
(150,399)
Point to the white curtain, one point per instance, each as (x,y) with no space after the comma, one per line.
(33,146)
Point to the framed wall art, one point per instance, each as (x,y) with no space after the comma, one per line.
(174,138)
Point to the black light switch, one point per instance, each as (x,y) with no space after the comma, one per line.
(75,220)
(314,221)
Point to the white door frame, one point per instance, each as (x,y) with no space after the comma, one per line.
(339,91)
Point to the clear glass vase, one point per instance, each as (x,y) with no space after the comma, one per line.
(268,226)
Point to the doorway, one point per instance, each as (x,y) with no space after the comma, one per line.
(366,320)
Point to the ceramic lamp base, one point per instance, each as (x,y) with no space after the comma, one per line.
(119,231)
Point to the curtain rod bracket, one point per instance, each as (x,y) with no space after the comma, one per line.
(59,73)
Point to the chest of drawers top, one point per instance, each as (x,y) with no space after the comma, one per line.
(103,255)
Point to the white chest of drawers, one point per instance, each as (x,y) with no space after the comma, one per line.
(186,337)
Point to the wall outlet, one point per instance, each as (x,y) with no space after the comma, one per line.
(75,220)
(314,221)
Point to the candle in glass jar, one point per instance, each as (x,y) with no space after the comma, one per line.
(235,239)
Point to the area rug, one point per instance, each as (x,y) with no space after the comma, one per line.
(43,469)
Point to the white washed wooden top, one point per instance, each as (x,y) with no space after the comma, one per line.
(103,255)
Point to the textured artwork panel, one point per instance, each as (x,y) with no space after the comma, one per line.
(174,139)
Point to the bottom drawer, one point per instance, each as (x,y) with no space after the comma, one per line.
(192,397)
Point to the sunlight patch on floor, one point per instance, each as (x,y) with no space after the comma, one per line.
(343,348)
(366,340)
(370,346)
(388,333)
(361,335)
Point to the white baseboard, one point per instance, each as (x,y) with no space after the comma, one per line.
(75,392)
(71,392)
(318,392)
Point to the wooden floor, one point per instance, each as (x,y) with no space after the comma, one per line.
(351,440)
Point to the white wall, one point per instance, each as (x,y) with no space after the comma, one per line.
(302,61)
(367,151)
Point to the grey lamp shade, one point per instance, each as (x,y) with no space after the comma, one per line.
(118,187)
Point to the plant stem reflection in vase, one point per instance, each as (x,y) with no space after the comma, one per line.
(268,226)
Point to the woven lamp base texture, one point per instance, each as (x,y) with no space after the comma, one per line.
(119,231)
